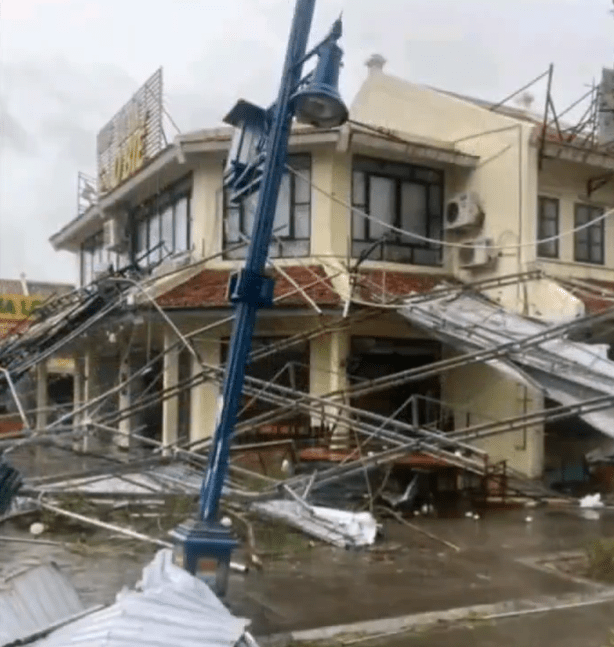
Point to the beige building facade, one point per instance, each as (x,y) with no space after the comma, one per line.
(365,217)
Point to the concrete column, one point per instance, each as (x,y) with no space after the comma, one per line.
(89,387)
(42,396)
(125,399)
(170,378)
(203,398)
(328,356)
(77,395)
(479,394)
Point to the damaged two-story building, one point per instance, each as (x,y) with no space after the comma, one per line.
(420,189)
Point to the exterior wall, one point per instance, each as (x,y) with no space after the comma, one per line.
(207,208)
(507,182)
(479,394)
(503,180)
(331,221)
(204,397)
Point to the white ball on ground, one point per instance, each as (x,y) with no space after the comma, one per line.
(476,516)
(226,522)
(528,519)
(37,528)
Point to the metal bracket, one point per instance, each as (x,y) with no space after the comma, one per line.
(249,287)
(595,183)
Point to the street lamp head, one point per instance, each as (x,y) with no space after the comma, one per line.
(250,124)
(319,103)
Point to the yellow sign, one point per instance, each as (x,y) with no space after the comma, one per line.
(132,137)
(130,157)
(15,307)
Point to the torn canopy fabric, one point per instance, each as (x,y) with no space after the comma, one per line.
(566,371)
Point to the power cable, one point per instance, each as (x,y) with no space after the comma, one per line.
(443,243)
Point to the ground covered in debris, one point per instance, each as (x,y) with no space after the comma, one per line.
(425,563)
(304,584)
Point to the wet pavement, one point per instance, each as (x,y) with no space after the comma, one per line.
(418,575)
(306,585)
(584,627)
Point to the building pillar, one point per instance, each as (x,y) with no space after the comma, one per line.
(42,396)
(170,379)
(328,358)
(126,425)
(89,391)
(77,397)
(204,397)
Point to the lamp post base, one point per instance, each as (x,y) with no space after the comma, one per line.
(204,549)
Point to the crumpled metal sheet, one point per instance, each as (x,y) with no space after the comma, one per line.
(169,608)
(177,478)
(569,372)
(34,599)
(337,527)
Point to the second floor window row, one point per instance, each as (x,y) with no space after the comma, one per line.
(162,228)
(588,242)
(407,197)
(94,258)
(292,224)
(547,226)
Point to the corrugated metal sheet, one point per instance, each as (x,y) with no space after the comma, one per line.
(33,599)
(178,478)
(170,608)
(569,372)
(336,527)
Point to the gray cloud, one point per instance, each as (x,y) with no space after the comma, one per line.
(69,66)
(13,136)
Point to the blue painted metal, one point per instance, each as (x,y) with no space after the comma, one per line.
(10,482)
(260,147)
(319,102)
(251,284)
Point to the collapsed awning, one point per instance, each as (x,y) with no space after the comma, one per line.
(568,372)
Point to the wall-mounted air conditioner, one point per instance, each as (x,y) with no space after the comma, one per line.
(463,211)
(113,234)
(477,253)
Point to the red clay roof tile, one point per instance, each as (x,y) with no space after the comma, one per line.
(208,289)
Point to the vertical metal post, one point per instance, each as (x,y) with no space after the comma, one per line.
(252,284)
(542,142)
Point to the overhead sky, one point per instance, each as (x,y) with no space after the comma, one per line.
(66,66)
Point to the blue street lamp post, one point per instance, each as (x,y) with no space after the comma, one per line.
(257,163)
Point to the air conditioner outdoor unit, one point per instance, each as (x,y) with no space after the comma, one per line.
(113,235)
(462,211)
(477,253)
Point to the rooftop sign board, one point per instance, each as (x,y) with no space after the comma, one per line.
(132,137)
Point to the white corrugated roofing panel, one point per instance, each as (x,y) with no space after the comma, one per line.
(34,599)
(569,372)
(170,608)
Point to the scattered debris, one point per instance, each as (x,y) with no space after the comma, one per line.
(592,501)
(37,528)
(26,540)
(168,607)
(101,524)
(338,527)
(424,532)
(34,601)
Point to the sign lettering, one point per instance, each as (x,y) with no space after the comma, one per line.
(132,137)
(16,307)
(130,157)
